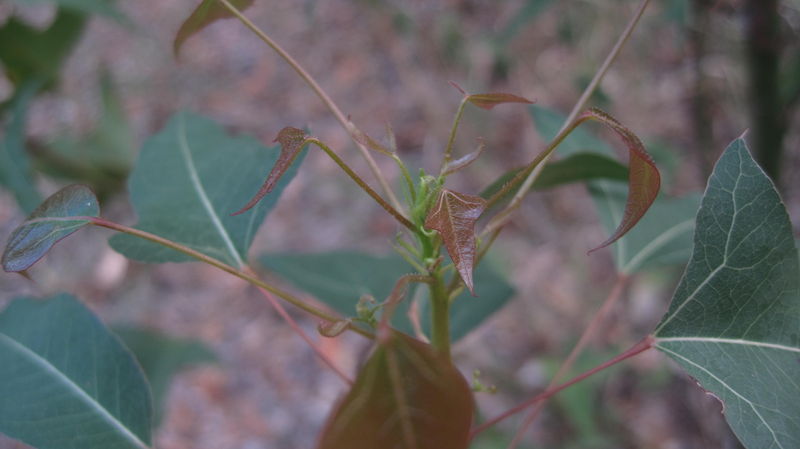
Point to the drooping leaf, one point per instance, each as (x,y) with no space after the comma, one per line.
(66,382)
(464,161)
(46,225)
(663,236)
(578,167)
(103,156)
(490,100)
(291,141)
(187,181)
(44,51)
(162,357)
(643,177)
(206,13)
(340,278)
(454,216)
(406,396)
(15,167)
(734,321)
(101,7)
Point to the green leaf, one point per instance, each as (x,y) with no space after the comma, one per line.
(48,224)
(66,381)
(490,100)
(206,13)
(43,52)
(162,357)
(454,216)
(340,278)
(188,180)
(102,7)
(734,321)
(15,169)
(406,396)
(663,237)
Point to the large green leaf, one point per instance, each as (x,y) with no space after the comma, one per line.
(188,180)
(102,7)
(48,224)
(29,54)
(162,357)
(15,169)
(66,382)
(734,321)
(340,278)
(407,396)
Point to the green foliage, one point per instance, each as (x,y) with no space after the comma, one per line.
(102,7)
(59,365)
(406,395)
(188,180)
(733,322)
(161,358)
(207,12)
(48,224)
(15,170)
(339,279)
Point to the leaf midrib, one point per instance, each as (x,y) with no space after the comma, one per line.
(183,144)
(72,386)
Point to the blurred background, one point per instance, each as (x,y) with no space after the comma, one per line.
(695,75)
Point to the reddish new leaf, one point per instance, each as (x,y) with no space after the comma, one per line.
(208,12)
(464,161)
(407,396)
(454,216)
(489,101)
(643,177)
(291,140)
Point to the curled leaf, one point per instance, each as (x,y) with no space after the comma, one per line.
(208,12)
(48,224)
(490,100)
(454,216)
(407,396)
(643,177)
(464,161)
(333,328)
(291,140)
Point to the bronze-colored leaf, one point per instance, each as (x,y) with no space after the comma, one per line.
(643,177)
(208,12)
(489,101)
(291,140)
(369,142)
(464,161)
(454,216)
(407,396)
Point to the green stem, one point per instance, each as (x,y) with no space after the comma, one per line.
(340,117)
(364,186)
(440,314)
(97,221)
(448,150)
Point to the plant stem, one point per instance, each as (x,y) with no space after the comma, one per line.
(97,221)
(386,206)
(534,169)
(643,345)
(440,314)
(588,333)
(448,150)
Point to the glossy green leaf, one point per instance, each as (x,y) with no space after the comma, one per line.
(734,321)
(48,224)
(43,53)
(406,396)
(578,167)
(188,180)
(454,216)
(340,278)
(663,237)
(66,382)
(102,7)
(15,168)
(162,357)
(206,13)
